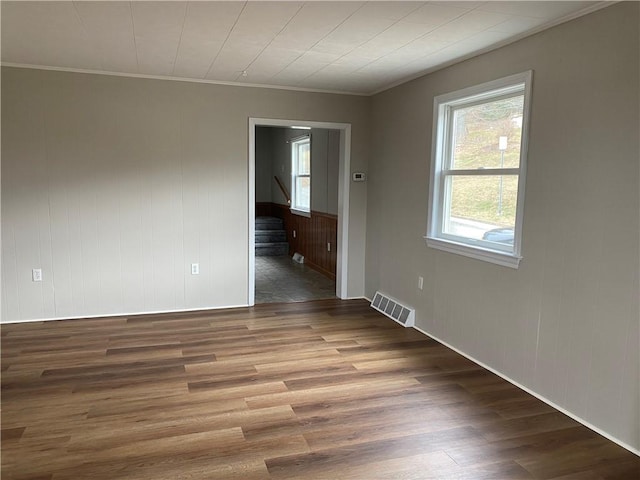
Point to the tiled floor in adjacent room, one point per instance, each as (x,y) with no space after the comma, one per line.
(280,279)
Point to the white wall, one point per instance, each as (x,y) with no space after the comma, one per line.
(566,323)
(114,186)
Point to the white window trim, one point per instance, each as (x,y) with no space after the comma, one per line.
(302,213)
(435,238)
(295,209)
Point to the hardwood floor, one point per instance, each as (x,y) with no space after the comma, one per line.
(319,390)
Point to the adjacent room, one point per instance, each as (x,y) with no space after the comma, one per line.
(319,240)
(296,211)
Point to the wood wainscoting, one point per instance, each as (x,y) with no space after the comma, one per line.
(313,235)
(264,209)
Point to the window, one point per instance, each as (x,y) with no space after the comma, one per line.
(478,170)
(301,175)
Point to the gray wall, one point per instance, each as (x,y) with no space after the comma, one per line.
(273,157)
(565,324)
(281,161)
(264,169)
(114,186)
(325,159)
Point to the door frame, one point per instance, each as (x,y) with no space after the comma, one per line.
(344,167)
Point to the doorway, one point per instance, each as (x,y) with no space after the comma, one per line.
(343,132)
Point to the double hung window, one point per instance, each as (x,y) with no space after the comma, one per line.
(478,170)
(301,175)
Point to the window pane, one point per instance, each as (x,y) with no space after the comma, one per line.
(482,207)
(303,193)
(488,135)
(304,159)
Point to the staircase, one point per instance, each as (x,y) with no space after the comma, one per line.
(271,238)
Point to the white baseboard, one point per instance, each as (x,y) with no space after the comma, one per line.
(151,312)
(535,394)
(126,314)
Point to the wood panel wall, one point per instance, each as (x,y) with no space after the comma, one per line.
(264,209)
(312,234)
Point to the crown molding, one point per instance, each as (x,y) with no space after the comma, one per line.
(178,79)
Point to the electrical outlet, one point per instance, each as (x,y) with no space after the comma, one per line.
(36,274)
(420,283)
(195,269)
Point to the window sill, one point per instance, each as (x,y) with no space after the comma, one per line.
(301,213)
(491,256)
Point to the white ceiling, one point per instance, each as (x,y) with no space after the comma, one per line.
(343,46)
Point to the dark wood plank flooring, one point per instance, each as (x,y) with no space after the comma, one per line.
(319,390)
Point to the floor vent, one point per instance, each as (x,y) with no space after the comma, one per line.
(402,314)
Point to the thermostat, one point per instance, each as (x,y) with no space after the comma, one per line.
(359,176)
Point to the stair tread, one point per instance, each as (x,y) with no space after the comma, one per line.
(266,225)
(271,248)
(262,220)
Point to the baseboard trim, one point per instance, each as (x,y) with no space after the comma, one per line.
(130,314)
(535,394)
(151,312)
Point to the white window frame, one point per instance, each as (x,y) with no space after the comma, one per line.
(295,207)
(441,157)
